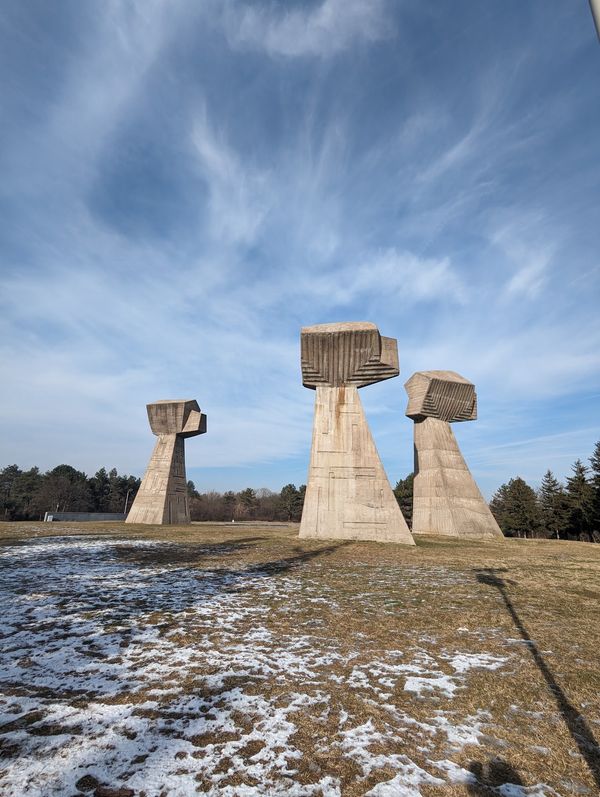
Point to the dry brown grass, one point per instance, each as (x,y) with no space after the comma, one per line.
(534,601)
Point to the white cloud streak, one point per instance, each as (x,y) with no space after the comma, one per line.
(103,323)
(392,276)
(239,196)
(331,27)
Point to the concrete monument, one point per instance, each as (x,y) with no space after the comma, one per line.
(162,497)
(348,495)
(446,500)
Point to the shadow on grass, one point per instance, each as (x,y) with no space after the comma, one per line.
(166,578)
(299,558)
(175,554)
(194,555)
(578,727)
(491,774)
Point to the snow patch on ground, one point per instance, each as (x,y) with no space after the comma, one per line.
(468,661)
(164,677)
(444,684)
(356,744)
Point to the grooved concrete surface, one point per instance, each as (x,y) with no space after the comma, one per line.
(350,353)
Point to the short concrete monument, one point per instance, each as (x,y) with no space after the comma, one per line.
(446,500)
(162,497)
(348,495)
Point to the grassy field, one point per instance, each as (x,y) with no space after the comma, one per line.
(240,660)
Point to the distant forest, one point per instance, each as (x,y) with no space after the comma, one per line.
(29,494)
(559,511)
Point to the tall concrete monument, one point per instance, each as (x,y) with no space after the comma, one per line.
(348,495)
(446,500)
(162,497)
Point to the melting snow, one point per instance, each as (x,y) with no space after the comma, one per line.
(154,677)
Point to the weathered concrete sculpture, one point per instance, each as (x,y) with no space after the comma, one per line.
(446,500)
(348,495)
(162,497)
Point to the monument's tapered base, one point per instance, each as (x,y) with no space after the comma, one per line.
(162,497)
(446,499)
(348,495)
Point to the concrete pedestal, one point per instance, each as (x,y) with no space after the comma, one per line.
(446,499)
(348,495)
(162,497)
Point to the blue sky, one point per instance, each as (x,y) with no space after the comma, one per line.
(186,184)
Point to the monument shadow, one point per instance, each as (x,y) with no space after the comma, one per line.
(577,725)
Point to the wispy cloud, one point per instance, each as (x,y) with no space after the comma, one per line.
(239,194)
(329,28)
(537,360)
(401,278)
(530,277)
(530,244)
(176,206)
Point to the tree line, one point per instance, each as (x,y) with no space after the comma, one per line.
(29,494)
(248,504)
(569,511)
(559,511)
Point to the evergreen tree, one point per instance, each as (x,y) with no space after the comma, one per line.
(290,502)
(25,488)
(595,484)
(100,487)
(553,506)
(580,496)
(115,499)
(247,501)
(499,506)
(516,509)
(8,477)
(404,495)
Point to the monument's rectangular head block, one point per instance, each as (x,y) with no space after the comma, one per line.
(444,395)
(176,416)
(352,353)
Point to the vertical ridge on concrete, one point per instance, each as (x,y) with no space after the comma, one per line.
(346,354)
(162,497)
(348,494)
(446,499)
